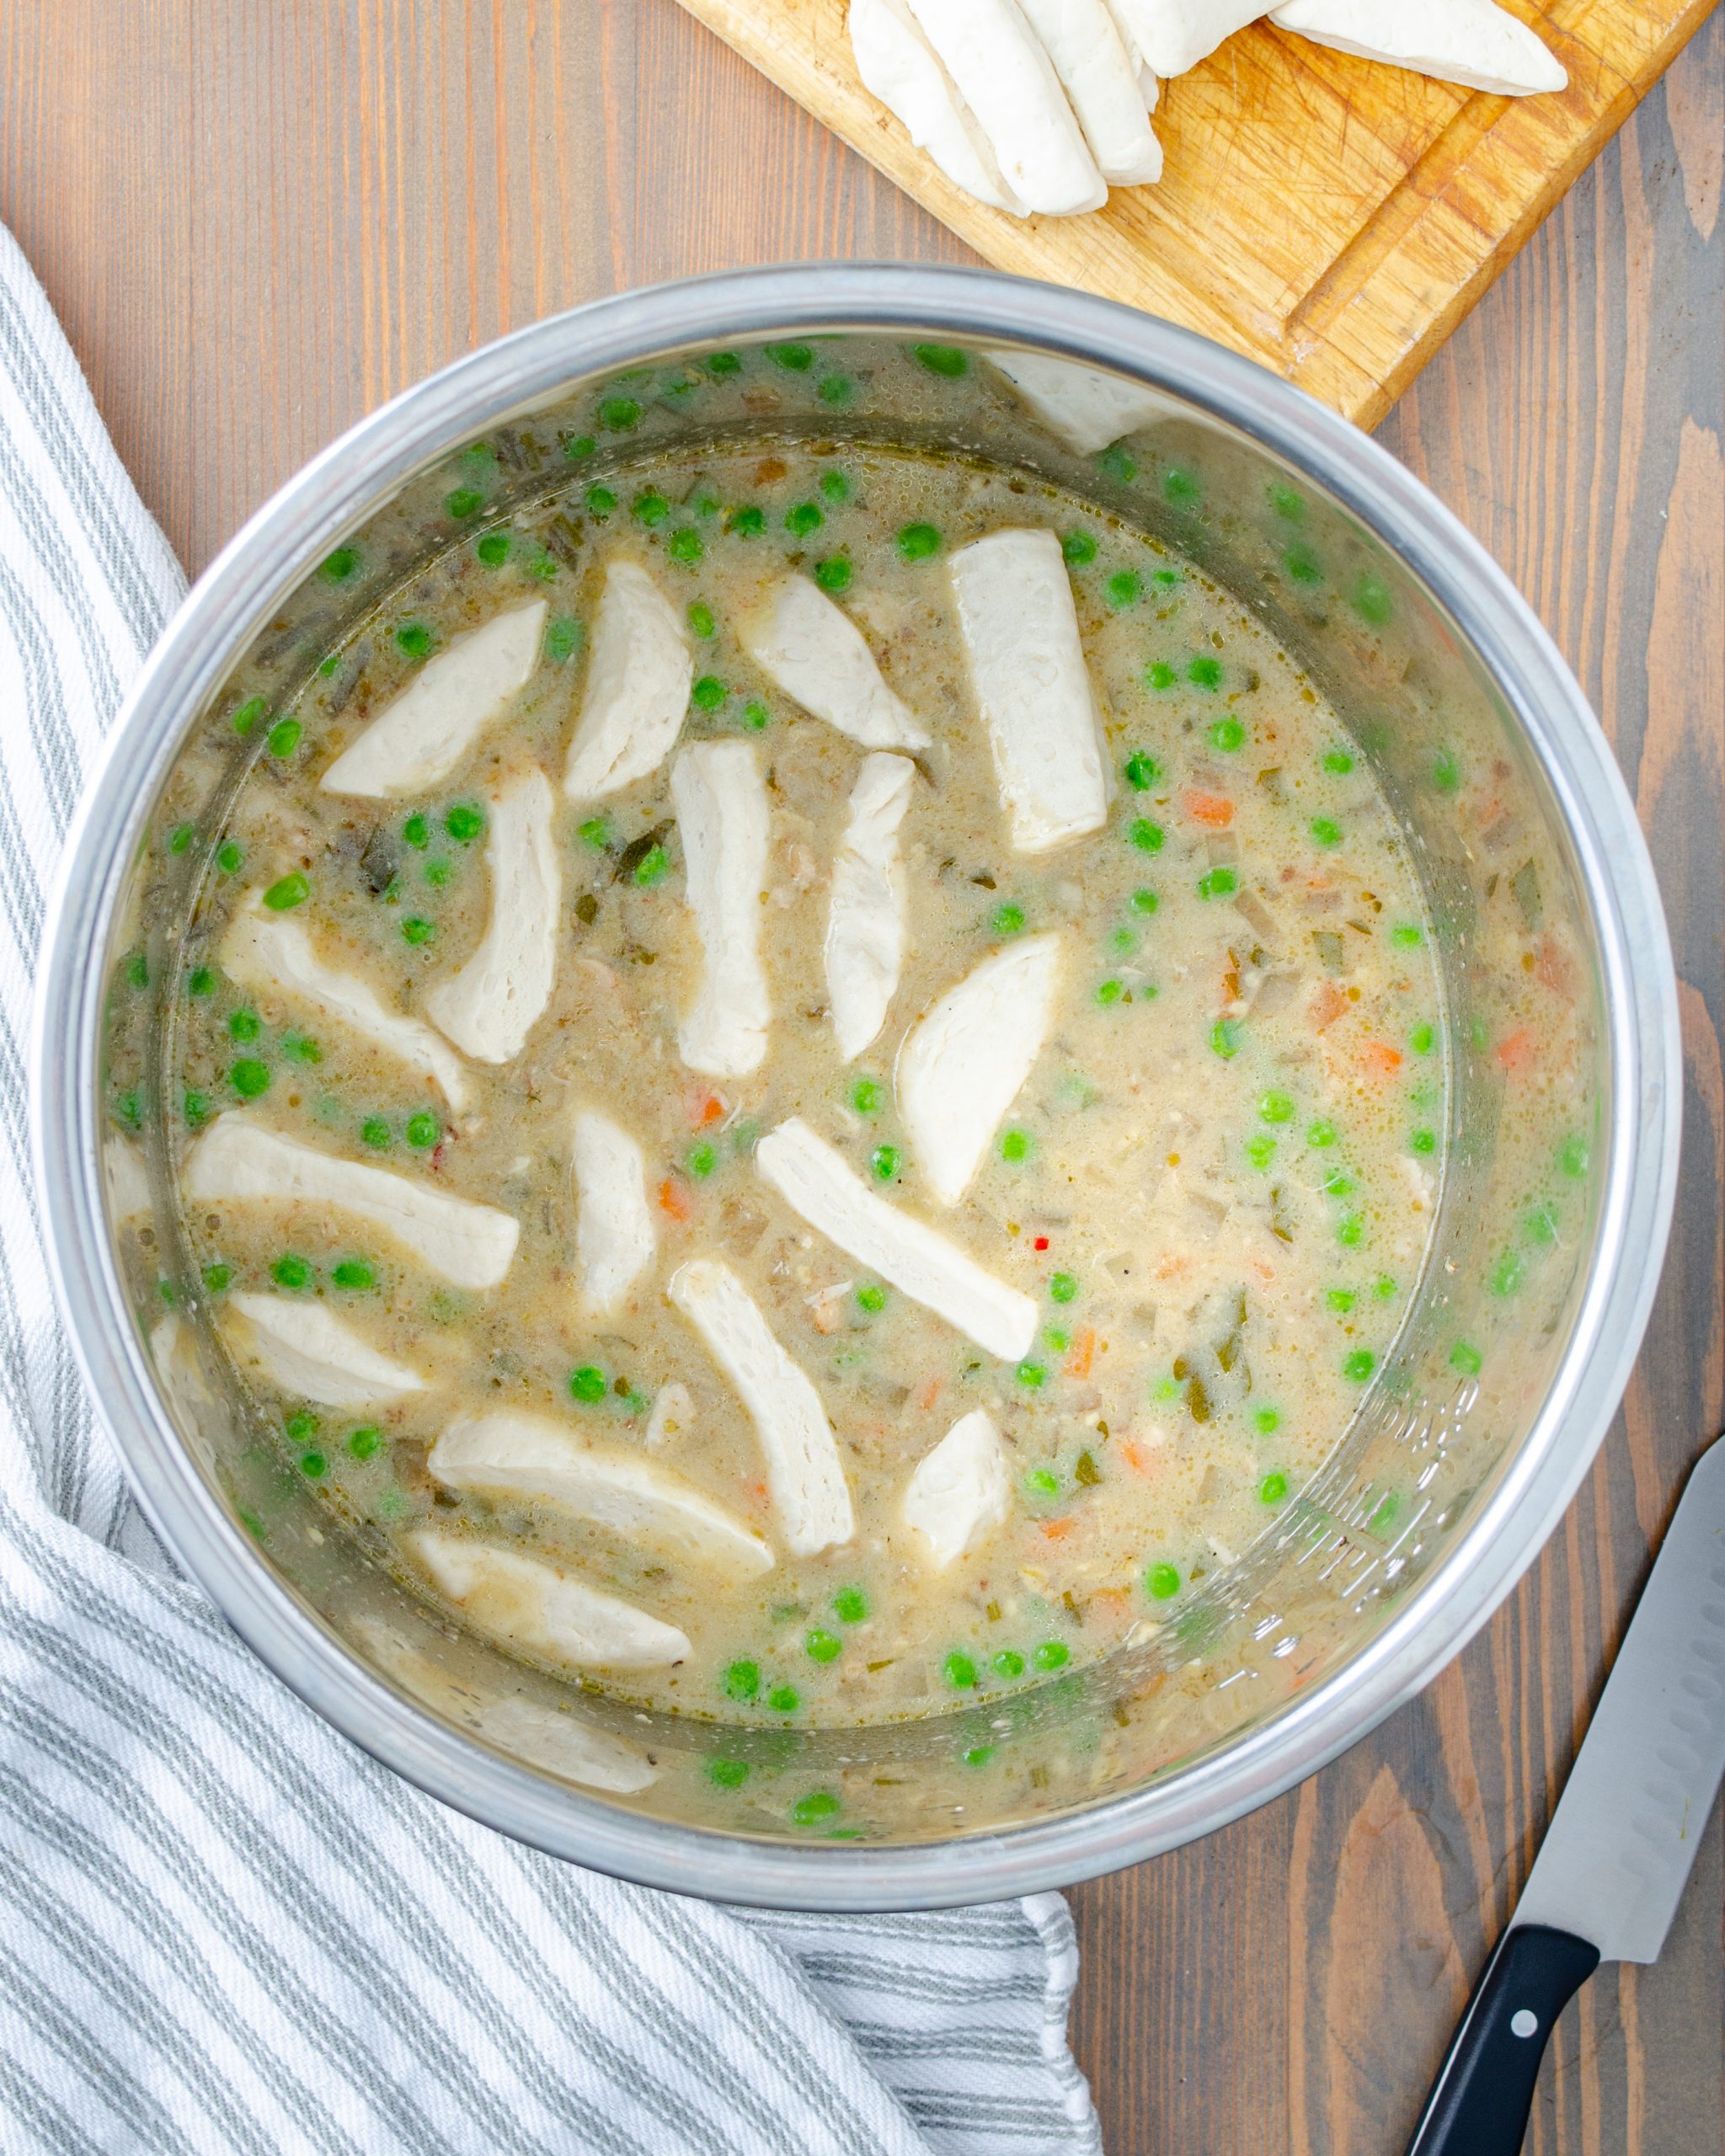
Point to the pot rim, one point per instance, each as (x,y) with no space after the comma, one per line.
(283,541)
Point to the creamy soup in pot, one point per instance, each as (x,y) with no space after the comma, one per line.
(813,1079)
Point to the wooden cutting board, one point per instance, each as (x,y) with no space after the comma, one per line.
(1331,218)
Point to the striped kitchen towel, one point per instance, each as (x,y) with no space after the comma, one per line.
(223,1930)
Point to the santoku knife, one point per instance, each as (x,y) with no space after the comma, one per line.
(1612,1870)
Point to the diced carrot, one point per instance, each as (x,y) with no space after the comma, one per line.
(674,1199)
(1214,809)
(1327,1006)
(1077,1363)
(1136,1455)
(1057,1530)
(929,1394)
(1517,1051)
(1555,967)
(1378,1059)
(705,1108)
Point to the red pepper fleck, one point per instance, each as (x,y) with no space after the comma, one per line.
(1041,1243)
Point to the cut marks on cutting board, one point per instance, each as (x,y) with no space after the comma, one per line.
(1329,217)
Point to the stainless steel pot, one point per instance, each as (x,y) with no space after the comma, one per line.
(1552,1224)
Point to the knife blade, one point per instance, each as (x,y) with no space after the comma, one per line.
(1612,1870)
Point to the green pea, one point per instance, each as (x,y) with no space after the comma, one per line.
(1372,600)
(464,502)
(1109,991)
(1268,1421)
(834,574)
(201,981)
(1285,502)
(1384,1287)
(1163,1581)
(836,485)
(723,363)
(1225,1037)
(784,1700)
(1405,937)
(339,567)
(1302,565)
(596,831)
(1326,830)
(795,359)
(1009,1662)
(1147,836)
(978,1755)
(872,1297)
(866,1096)
(1507,1274)
(290,1271)
(284,737)
(959,1670)
(1141,771)
(1573,1157)
(1124,588)
(1446,772)
(1350,1232)
(302,1425)
(1052,1654)
(1016,1144)
(728,1774)
(686,545)
(376,1132)
(354,1273)
(1466,1359)
(742,1681)
(1422,1040)
(1205,673)
(701,1159)
(248,714)
(1158,675)
(588,1384)
(755,714)
(918,541)
(619,415)
(1181,487)
(1273,1488)
(1227,734)
(216,1277)
(884,1161)
(1144,901)
(601,502)
(1033,1376)
(1337,1184)
(244,1024)
(1117,463)
(249,1078)
(748,522)
(417,932)
(312,1464)
(836,389)
(803,519)
(851,1605)
(809,1811)
(1042,1482)
(1007,920)
(649,507)
(823,1646)
(1422,1141)
(1078,548)
(1359,1365)
(181,837)
(1321,1134)
(290,890)
(1340,1300)
(493,549)
(1260,1149)
(1218,883)
(1336,760)
(944,360)
(464,822)
(708,693)
(196,1108)
(423,1130)
(413,639)
(364,1442)
(1062,1287)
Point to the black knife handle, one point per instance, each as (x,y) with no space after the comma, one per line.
(1480,2101)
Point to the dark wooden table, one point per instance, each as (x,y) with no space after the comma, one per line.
(257,220)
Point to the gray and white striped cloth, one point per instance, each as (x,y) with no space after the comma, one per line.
(224,1930)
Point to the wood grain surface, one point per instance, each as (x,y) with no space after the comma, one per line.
(1331,218)
(257,221)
